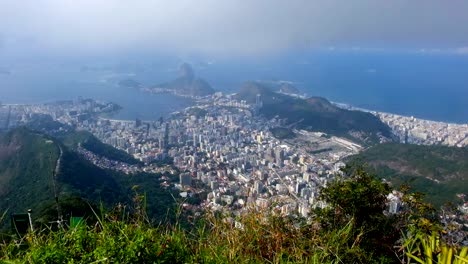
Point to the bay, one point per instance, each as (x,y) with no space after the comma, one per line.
(433,86)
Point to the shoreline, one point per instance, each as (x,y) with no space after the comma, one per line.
(374,112)
(338,104)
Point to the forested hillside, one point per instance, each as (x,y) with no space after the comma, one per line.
(438,171)
(29,161)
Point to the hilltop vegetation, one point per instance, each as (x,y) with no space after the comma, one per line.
(72,138)
(354,229)
(316,114)
(88,141)
(27,163)
(28,174)
(439,171)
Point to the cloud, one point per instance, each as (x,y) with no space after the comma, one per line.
(231,27)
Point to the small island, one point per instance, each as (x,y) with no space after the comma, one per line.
(186,85)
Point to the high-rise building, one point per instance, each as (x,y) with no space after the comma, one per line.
(137,123)
(279,157)
(258,187)
(258,101)
(166,134)
(299,187)
(162,143)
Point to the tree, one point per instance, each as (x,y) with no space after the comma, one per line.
(358,198)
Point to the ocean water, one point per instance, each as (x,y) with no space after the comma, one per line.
(433,87)
(426,86)
(51,83)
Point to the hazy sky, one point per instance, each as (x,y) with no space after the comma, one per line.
(230,27)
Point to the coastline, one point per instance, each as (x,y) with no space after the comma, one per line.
(374,112)
(412,130)
(194,99)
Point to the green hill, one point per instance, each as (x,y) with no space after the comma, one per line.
(27,173)
(28,160)
(438,171)
(88,141)
(26,164)
(316,114)
(73,138)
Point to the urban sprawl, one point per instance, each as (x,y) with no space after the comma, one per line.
(224,148)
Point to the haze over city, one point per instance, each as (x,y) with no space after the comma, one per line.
(230,28)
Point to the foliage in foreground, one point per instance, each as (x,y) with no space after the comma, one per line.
(252,239)
(338,234)
(429,249)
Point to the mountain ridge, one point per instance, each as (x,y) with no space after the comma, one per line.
(316,114)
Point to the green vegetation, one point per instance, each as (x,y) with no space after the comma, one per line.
(27,161)
(97,147)
(316,114)
(27,164)
(72,138)
(45,124)
(358,200)
(353,229)
(439,171)
(428,249)
(197,111)
(282,133)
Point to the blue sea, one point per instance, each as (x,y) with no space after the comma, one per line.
(429,86)
(49,83)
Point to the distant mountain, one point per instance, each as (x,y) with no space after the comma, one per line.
(187,83)
(28,160)
(316,114)
(439,171)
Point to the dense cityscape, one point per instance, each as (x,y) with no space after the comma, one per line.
(419,131)
(224,148)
